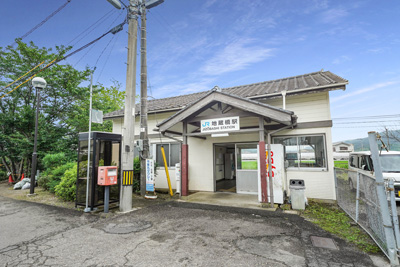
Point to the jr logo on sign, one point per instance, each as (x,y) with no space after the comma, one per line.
(206,124)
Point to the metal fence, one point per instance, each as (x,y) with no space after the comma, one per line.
(357,195)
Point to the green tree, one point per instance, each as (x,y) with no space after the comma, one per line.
(104,99)
(17,109)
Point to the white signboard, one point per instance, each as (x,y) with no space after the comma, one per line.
(220,125)
(149,175)
(278,172)
(97,116)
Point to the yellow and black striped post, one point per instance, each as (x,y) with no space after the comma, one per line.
(127,178)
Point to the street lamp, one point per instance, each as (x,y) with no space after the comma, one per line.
(38,83)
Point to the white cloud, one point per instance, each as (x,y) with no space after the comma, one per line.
(334,15)
(183,87)
(235,56)
(376,50)
(364,90)
(341,60)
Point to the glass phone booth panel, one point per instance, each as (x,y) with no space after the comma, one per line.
(105,150)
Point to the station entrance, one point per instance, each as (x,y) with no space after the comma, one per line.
(236,168)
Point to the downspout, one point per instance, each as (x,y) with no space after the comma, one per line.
(270,182)
(284,99)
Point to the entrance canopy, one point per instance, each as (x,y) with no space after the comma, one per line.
(218,105)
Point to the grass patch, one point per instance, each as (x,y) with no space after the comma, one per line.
(344,164)
(249,165)
(334,220)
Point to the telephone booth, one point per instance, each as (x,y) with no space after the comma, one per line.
(105,150)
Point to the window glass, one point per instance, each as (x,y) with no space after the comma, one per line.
(247,157)
(353,161)
(304,151)
(159,157)
(390,163)
(174,154)
(291,149)
(311,151)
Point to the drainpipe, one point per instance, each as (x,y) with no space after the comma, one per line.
(284,99)
(270,182)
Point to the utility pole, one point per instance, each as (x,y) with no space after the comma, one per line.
(143,102)
(128,131)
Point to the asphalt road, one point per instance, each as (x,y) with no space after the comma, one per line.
(170,234)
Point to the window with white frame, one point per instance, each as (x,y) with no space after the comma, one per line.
(172,154)
(306,151)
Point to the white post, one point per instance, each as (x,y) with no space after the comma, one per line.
(87,209)
(380,188)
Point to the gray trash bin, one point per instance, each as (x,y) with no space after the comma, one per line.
(297,197)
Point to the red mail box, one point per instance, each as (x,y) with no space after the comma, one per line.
(107,175)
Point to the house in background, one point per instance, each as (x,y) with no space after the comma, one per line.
(220,136)
(341,150)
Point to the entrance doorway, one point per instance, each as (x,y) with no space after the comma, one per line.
(224,168)
(236,168)
(247,168)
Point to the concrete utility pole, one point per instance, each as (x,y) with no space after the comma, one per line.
(128,131)
(143,103)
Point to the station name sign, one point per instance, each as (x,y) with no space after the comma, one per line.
(220,125)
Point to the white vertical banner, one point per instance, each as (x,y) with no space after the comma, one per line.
(278,172)
(149,175)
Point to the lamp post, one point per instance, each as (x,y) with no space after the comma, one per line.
(38,83)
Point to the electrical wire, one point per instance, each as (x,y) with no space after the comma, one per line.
(111,11)
(369,117)
(108,57)
(102,52)
(48,65)
(43,22)
(56,60)
(83,56)
(8,85)
(356,122)
(366,126)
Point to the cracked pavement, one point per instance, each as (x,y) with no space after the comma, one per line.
(173,233)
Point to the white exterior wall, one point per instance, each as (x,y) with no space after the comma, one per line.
(319,184)
(308,108)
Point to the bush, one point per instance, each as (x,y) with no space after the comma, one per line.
(3,175)
(66,189)
(52,177)
(52,161)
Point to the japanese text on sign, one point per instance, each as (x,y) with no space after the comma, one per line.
(272,163)
(150,175)
(220,125)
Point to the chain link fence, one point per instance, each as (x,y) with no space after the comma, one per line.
(357,195)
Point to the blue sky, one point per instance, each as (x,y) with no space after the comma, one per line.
(197,44)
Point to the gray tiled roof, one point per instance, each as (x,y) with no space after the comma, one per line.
(315,81)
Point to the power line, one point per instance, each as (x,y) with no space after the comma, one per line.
(356,122)
(88,28)
(367,126)
(108,57)
(369,117)
(43,22)
(56,60)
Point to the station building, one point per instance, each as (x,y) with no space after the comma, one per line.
(220,137)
